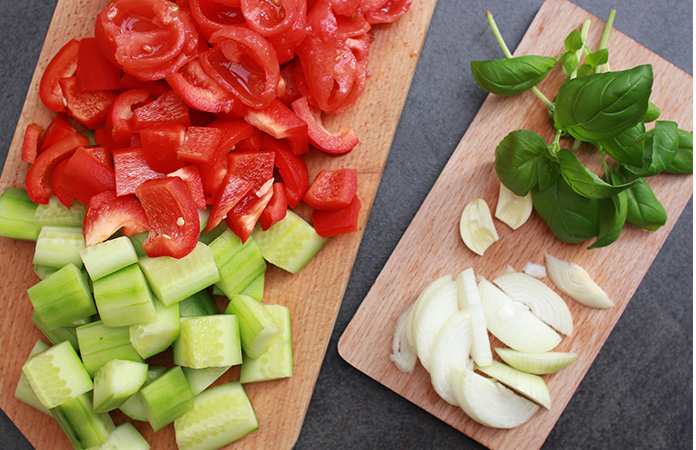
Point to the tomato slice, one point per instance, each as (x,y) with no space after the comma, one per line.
(291,167)
(30,143)
(384,11)
(334,144)
(276,209)
(106,213)
(211,15)
(332,189)
(94,72)
(168,107)
(85,175)
(271,17)
(131,170)
(89,108)
(62,65)
(338,221)
(172,215)
(161,144)
(287,42)
(244,63)
(282,123)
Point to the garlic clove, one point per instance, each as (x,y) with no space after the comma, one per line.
(476,226)
(512,209)
(575,282)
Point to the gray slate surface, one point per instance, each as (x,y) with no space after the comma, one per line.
(638,393)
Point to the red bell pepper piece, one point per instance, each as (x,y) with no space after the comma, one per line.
(90,108)
(339,143)
(192,177)
(276,209)
(252,143)
(168,107)
(332,189)
(243,216)
(338,221)
(58,129)
(30,144)
(85,175)
(161,144)
(131,170)
(292,168)
(106,213)
(62,65)
(233,131)
(155,88)
(173,217)
(119,121)
(94,72)
(200,145)
(282,123)
(38,176)
(64,196)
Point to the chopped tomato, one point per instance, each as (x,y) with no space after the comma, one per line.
(334,144)
(282,123)
(107,213)
(211,15)
(291,167)
(168,107)
(384,11)
(90,108)
(62,65)
(285,44)
(337,221)
(94,72)
(30,143)
(131,170)
(276,209)
(271,17)
(332,189)
(287,87)
(85,176)
(161,144)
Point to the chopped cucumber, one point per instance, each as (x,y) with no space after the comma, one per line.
(55,335)
(62,297)
(17,215)
(133,407)
(100,344)
(209,237)
(255,288)
(167,398)
(277,361)
(221,415)
(108,257)
(43,271)
(208,341)
(239,263)
(149,339)
(173,280)
(124,298)
(137,240)
(290,243)
(83,427)
(57,375)
(256,327)
(124,437)
(200,379)
(24,392)
(58,246)
(54,213)
(115,382)
(199,304)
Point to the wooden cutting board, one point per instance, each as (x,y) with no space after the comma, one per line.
(431,247)
(314,296)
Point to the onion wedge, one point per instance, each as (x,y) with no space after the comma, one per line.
(541,299)
(488,402)
(513,323)
(450,350)
(403,356)
(531,386)
(574,281)
(538,363)
(469,300)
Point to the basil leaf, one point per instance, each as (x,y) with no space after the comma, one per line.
(570,216)
(652,114)
(573,42)
(516,160)
(584,181)
(597,58)
(510,76)
(569,62)
(644,210)
(661,144)
(627,146)
(585,71)
(612,217)
(683,161)
(547,172)
(602,105)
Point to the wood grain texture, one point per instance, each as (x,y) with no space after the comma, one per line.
(313,296)
(431,247)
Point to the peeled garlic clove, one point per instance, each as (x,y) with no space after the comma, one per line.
(539,363)
(574,281)
(531,386)
(469,300)
(512,209)
(403,355)
(450,350)
(476,226)
(541,299)
(488,402)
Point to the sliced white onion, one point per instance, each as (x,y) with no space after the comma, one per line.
(418,304)
(431,314)
(488,402)
(531,386)
(469,300)
(534,270)
(513,323)
(403,355)
(538,363)
(541,299)
(577,283)
(450,350)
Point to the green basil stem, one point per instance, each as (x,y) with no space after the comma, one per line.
(584,31)
(506,52)
(605,37)
(556,145)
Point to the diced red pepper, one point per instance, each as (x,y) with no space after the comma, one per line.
(119,121)
(62,65)
(94,72)
(276,209)
(101,154)
(63,195)
(338,221)
(192,177)
(168,107)
(233,131)
(30,144)
(332,189)
(85,176)
(200,145)
(243,216)
(161,144)
(172,215)
(282,123)
(339,143)
(107,213)
(58,129)
(213,175)
(155,88)
(252,143)
(292,168)
(90,108)
(131,170)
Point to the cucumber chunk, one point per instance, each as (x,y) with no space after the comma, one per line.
(239,263)
(173,280)
(124,437)
(100,344)
(58,246)
(290,243)
(149,339)
(55,335)
(62,297)
(115,382)
(256,327)
(57,375)
(133,406)
(83,427)
(43,271)
(200,379)
(124,298)
(255,288)
(221,415)
(137,240)
(167,398)
(24,392)
(277,361)
(108,257)
(199,304)
(17,215)
(54,213)
(208,341)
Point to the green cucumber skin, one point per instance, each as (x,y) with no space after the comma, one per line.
(256,327)
(277,361)
(108,257)
(123,298)
(126,437)
(199,304)
(167,398)
(238,263)
(17,215)
(100,344)
(82,426)
(133,407)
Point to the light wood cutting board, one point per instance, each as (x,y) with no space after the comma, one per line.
(314,296)
(431,247)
